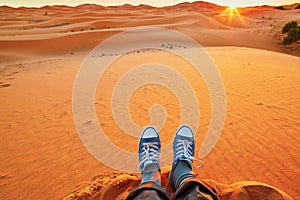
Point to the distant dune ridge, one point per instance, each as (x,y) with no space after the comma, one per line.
(41,50)
(259,27)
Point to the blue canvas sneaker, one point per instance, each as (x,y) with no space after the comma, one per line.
(149,148)
(183,148)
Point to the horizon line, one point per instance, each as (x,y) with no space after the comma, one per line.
(186,2)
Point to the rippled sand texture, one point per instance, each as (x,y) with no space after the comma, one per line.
(41,52)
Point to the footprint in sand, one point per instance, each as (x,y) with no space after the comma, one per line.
(4,85)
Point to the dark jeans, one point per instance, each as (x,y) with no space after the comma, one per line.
(191,189)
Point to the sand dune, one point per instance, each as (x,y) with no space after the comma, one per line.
(42,49)
(116,185)
(261,124)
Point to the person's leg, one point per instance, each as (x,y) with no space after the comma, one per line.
(149,190)
(149,149)
(182,177)
(193,188)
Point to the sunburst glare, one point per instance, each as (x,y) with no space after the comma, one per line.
(232,11)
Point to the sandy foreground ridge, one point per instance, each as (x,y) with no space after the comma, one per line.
(41,50)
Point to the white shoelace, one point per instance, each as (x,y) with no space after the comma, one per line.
(184,149)
(150,152)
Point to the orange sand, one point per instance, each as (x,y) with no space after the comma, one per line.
(41,154)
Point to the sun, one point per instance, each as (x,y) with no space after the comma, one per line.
(232,11)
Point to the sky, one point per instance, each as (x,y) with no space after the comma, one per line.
(158,3)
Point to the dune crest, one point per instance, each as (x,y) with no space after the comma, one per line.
(117,185)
